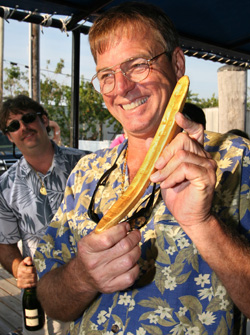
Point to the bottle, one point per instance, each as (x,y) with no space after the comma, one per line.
(32,311)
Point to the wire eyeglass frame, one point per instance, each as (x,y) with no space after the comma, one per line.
(134,69)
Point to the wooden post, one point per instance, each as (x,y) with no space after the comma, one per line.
(34,62)
(232,90)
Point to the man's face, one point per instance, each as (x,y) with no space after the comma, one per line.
(139,106)
(30,135)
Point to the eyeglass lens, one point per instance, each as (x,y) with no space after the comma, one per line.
(26,118)
(102,181)
(134,70)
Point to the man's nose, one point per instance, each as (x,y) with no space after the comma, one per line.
(122,83)
(23,125)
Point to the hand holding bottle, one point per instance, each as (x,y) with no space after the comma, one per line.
(26,274)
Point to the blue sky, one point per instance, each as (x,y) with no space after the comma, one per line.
(55,45)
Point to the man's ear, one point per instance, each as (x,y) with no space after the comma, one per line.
(9,137)
(45,120)
(178,62)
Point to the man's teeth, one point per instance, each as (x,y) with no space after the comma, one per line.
(28,134)
(134,104)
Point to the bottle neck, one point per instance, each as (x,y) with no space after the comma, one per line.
(30,289)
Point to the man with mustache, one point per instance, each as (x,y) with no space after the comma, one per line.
(31,190)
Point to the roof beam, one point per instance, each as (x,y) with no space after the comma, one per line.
(43,20)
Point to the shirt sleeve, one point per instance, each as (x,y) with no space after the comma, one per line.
(9,232)
(244,206)
(59,244)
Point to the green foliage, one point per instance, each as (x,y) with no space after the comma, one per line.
(202,103)
(59,66)
(16,81)
(54,98)
(93,113)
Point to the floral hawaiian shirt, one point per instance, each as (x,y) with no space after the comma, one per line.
(177,293)
(25,213)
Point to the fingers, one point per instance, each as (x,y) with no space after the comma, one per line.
(189,167)
(110,259)
(169,162)
(181,143)
(122,270)
(26,274)
(187,176)
(107,239)
(192,130)
(188,193)
(187,186)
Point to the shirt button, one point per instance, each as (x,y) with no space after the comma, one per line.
(115,329)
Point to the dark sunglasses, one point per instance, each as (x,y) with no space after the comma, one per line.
(26,118)
(140,216)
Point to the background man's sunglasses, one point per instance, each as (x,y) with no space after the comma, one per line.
(26,118)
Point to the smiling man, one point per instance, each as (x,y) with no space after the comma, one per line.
(179,264)
(31,190)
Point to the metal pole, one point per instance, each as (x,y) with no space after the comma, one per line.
(1,57)
(75,85)
(30,60)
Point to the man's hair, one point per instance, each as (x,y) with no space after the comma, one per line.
(20,103)
(128,17)
(194,113)
(238,132)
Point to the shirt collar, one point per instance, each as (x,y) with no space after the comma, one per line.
(26,169)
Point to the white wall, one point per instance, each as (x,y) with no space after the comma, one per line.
(212,118)
(93,145)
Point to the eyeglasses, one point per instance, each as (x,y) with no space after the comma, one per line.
(140,216)
(26,118)
(134,69)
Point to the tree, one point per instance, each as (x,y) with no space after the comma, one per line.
(202,103)
(16,81)
(93,113)
(54,98)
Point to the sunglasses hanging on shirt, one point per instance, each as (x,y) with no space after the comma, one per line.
(141,215)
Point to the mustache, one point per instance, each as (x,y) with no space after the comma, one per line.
(28,132)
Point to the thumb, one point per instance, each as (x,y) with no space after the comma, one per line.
(28,261)
(194,130)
